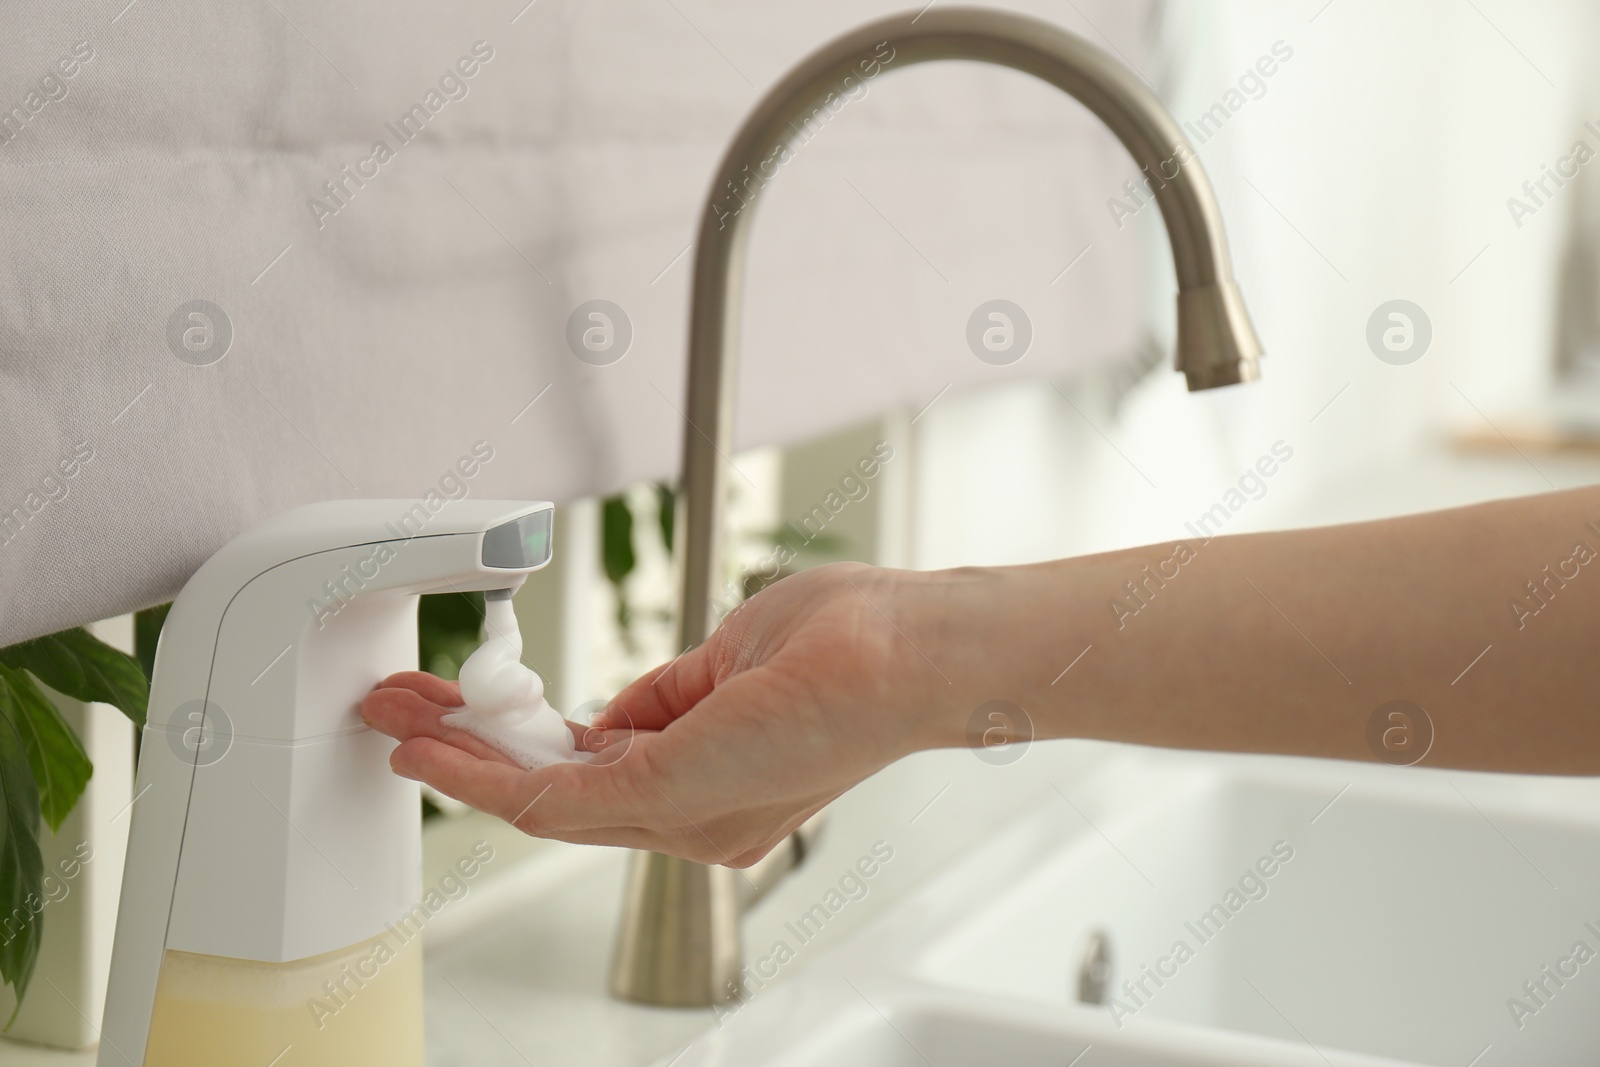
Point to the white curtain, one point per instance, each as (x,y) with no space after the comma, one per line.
(177,179)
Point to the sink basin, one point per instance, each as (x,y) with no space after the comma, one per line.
(1393,914)
(919,1027)
(1256,910)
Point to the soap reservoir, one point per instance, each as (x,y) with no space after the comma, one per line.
(359,1005)
(274,864)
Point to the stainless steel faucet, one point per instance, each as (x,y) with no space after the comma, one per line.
(678,944)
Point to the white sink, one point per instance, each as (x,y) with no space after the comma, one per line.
(919,1027)
(1414,906)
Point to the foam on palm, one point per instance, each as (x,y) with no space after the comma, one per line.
(504,704)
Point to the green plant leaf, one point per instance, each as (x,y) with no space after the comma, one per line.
(146,633)
(616,556)
(21,865)
(77,663)
(61,768)
(616,539)
(666,512)
(448,628)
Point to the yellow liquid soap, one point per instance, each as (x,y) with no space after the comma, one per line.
(359,1005)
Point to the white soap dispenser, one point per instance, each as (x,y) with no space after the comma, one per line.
(273,873)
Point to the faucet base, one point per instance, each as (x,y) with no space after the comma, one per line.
(678,945)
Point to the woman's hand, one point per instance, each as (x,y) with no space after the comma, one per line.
(820,680)
(806,689)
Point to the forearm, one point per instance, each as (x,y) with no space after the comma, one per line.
(1290,642)
(1284,642)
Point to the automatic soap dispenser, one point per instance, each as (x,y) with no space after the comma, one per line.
(274,862)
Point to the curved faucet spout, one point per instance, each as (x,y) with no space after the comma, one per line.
(1216,344)
(662,954)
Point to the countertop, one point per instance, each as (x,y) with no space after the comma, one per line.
(516,968)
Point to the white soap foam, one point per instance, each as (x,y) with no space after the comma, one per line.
(504,700)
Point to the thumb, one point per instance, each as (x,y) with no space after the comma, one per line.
(653,700)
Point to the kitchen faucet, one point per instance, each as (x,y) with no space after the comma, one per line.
(678,944)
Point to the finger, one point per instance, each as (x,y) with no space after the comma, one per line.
(556,801)
(404,714)
(489,785)
(430,686)
(561,803)
(654,700)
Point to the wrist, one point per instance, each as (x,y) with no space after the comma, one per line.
(987,631)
